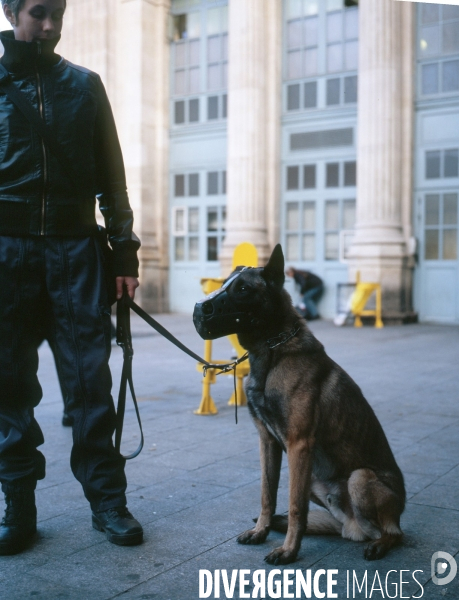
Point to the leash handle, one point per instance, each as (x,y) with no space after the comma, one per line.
(124,340)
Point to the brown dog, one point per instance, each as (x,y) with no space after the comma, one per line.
(303,403)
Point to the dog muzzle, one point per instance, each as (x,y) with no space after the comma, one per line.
(216,315)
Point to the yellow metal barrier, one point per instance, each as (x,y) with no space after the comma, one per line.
(246,255)
(360,298)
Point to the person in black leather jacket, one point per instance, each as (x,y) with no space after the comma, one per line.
(51,267)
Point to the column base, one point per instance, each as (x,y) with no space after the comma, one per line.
(393,318)
(395,274)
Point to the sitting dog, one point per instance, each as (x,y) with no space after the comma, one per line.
(303,403)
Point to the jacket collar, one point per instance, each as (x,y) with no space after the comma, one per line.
(27,56)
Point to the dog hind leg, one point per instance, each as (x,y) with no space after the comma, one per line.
(377,512)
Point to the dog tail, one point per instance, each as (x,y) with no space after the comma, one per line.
(279,523)
(320,522)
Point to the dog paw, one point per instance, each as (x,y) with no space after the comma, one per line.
(374,551)
(252,536)
(279,556)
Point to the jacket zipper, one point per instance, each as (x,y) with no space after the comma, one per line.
(45,162)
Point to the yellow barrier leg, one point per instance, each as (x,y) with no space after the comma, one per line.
(241,397)
(378,323)
(357,321)
(207,406)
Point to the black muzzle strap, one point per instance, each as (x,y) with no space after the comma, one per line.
(166,334)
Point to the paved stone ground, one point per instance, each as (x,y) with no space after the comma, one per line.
(195,487)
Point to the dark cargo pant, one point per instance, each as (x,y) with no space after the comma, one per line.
(57,283)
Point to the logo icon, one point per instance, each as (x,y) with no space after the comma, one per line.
(439,566)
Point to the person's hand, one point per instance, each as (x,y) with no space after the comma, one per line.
(131,283)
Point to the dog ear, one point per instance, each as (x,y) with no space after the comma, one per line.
(274,270)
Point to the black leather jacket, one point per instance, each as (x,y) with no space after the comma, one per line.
(37,197)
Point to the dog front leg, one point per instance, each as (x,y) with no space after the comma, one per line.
(271,460)
(300,468)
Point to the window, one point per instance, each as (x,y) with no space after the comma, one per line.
(293,96)
(179,189)
(186,185)
(216,183)
(194,110)
(440,225)
(350,173)
(342,38)
(333,91)
(179,114)
(293,176)
(341,90)
(321,37)
(438,42)
(310,94)
(332,175)
(331,214)
(193,184)
(216,218)
(308,173)
(186,111)
(198,222)
(442,163)
(336,174)
(186,53)
(302,34)
(309,176)
(216,107)
(185,229)
(217,48)
(350,89)
(199,58)
(212,183)
(300,230)
(341,174)
(327,138)
(339,215)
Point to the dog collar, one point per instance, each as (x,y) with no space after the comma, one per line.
(283,337)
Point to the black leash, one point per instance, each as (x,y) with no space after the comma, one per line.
(124,340)
(165,333)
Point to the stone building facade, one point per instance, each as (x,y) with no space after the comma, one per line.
(331,126)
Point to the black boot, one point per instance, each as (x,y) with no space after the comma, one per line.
(119,525)
(19,525)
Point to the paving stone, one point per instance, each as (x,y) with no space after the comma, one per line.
(196,485)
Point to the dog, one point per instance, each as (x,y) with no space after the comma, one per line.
(304,404)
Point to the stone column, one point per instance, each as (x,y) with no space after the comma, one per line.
(384,155)
(127,43)
(254,87)
(88,38)
(142,76)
